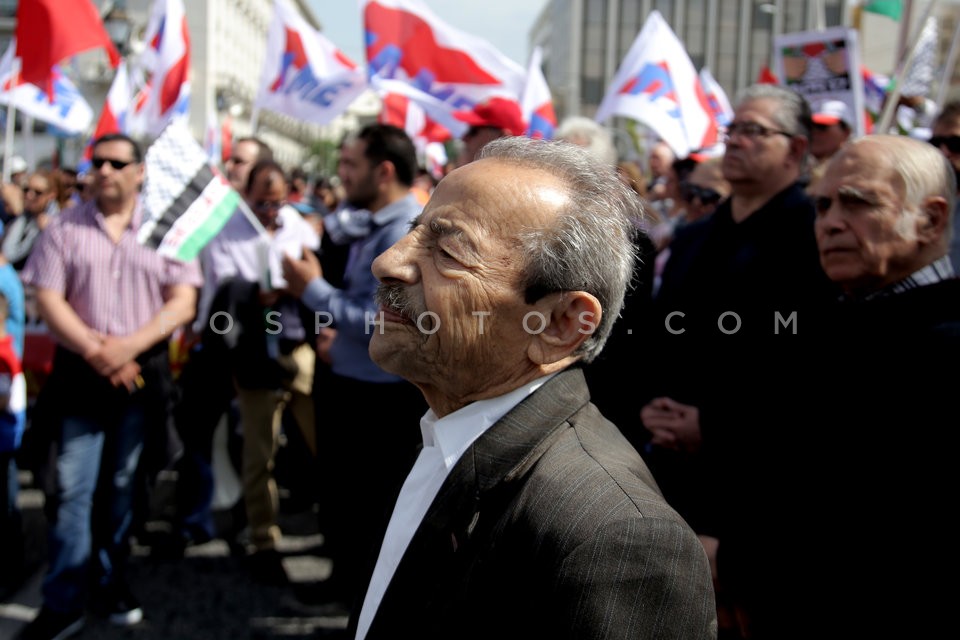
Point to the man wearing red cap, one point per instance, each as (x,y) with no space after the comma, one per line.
(491,119)
(832,123)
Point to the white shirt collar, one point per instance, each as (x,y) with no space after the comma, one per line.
(454,433)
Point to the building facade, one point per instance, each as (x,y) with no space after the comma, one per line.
(584,41)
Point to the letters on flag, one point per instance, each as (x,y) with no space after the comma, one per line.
(166,64)
(716,98)
(657,85)
(305,76)
(536,104)
(65,109)
(185,201)
(412,52)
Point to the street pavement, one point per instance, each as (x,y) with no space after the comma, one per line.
(208,594)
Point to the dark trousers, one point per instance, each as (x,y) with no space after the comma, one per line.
(207,389)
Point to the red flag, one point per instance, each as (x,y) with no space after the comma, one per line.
(67,28)
(766,76)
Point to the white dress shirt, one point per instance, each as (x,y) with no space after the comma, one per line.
(444,441)
(240,251)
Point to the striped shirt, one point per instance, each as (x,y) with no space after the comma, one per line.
(115,288)
(937,271)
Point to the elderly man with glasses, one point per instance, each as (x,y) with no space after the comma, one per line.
(732,295)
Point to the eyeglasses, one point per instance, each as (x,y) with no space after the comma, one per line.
(952,143)
(37,192)
(706,195)
(266,206)
(116,164)
(751,130)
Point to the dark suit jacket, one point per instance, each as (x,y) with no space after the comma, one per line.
(550,526)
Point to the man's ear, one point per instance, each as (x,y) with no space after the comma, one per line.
(566,319)
(798,147)
(386,171)
(932,221)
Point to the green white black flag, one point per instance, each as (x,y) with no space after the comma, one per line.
(186,201)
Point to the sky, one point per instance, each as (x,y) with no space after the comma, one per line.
(504,23)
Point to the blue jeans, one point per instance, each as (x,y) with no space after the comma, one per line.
(96,470)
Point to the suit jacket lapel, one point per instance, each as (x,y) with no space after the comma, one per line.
(478,487)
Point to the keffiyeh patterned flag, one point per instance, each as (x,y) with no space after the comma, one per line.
(186,201)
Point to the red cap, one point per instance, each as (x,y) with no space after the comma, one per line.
(832,112)
(499,113)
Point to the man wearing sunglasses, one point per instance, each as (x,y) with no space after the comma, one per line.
(946,138)
(111,303)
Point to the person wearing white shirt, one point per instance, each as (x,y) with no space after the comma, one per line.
(284,378)
(527,513)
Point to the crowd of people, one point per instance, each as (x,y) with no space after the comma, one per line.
(692,398)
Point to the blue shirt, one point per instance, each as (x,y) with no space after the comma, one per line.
(353,309)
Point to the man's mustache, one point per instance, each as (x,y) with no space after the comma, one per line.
(394,298)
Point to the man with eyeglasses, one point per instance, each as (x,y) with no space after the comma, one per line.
(946,138)
(111,304)
(272,360)
(844,468)
(729,276)
(39,208)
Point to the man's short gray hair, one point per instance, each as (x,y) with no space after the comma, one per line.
(924,170)
(590,247)
(793,116)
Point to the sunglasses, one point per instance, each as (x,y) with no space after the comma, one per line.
(690,192)
(266,206)
(952,143)
(37,192)
(116,164)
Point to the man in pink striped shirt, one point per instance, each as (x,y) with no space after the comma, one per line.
(111,303)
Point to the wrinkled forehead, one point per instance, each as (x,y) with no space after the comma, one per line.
(491,201)
(864,166)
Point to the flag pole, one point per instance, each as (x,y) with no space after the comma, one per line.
(29,147)
(251,217)
(893,99)
(11,123)
(948,69)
